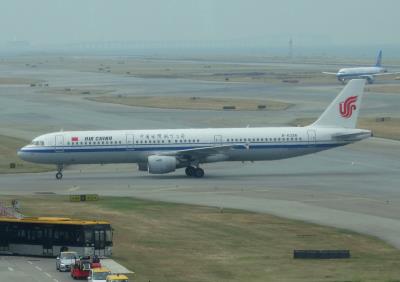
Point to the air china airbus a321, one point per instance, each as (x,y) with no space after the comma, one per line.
(165,150)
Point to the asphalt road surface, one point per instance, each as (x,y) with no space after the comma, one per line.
(30,269)
(354,187)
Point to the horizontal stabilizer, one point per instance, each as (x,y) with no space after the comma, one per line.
(355,136)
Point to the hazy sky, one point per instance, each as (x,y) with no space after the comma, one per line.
(323,22)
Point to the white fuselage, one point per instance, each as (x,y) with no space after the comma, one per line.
(135,146)
(360,72)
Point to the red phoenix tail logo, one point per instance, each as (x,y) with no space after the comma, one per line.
(347,107)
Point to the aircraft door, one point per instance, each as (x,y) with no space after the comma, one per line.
(59,143)
(217,140)
(312,136)
(130,142)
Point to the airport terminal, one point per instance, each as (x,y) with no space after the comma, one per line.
(132,159)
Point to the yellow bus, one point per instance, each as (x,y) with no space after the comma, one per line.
(48,236)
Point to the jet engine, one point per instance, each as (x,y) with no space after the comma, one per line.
(161,164)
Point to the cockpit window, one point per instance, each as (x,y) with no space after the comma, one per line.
(37,143)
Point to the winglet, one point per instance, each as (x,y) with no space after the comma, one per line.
(343,111)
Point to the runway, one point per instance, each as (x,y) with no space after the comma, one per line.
(354,187)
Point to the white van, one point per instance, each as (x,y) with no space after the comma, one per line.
(98,274)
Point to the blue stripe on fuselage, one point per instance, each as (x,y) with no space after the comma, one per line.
(83,149)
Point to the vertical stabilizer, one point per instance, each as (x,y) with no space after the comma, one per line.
(379,59)
(343,111)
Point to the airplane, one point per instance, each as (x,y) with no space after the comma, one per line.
(367,73)
(165,150)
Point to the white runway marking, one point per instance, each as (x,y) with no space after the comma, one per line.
(74,188)
(30,262)
(38,268)
(55,280)
(48,275)
(10,269)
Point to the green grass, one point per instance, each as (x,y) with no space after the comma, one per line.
(175,242)
(194,103)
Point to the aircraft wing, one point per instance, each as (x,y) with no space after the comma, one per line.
(200,153)
(331,73)
(386,73)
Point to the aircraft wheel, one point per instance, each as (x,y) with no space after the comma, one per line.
(190,171)
(59,175)
(199,172)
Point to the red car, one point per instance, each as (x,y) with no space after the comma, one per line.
(81,268)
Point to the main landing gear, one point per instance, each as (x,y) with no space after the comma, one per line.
(194,172)
(59,174)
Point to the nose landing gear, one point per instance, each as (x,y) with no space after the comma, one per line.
(59,174)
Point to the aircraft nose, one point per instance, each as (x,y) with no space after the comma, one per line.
(22,154)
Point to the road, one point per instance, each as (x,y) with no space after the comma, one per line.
(30,269)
